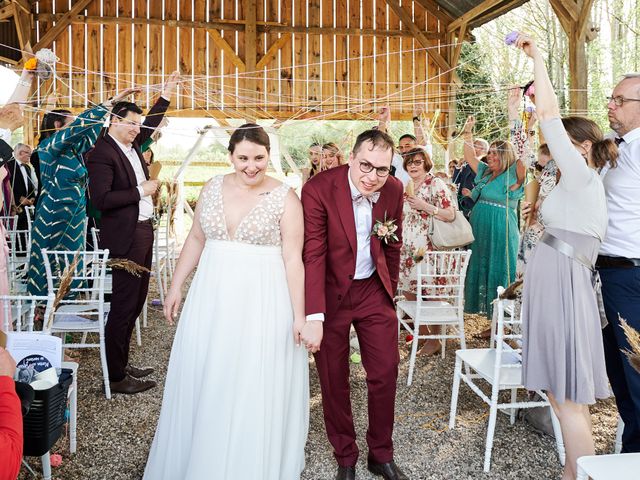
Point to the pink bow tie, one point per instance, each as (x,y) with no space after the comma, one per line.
(358,198)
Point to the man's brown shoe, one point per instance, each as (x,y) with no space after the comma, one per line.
(130,385)
(138,372)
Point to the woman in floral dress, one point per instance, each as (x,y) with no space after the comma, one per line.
(426,196)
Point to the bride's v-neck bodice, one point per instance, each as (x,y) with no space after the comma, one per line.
(261,226)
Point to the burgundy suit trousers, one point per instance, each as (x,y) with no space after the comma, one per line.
(367,306)
(127,301)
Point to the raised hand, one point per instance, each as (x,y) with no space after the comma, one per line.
(120,96)
(170,84)
(385,114)
(469,125)
(527,44)
(513,101)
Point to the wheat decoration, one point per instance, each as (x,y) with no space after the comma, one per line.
(128,266)
(633,337)
(64,287)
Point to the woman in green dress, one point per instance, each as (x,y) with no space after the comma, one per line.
(60,214)
(494,221)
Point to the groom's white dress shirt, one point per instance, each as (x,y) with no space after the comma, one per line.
(146,201)
(363,215)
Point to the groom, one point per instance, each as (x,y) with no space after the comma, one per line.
(351,279)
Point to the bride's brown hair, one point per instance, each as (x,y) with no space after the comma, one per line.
(250,132)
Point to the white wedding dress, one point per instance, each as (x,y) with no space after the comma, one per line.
(236,399)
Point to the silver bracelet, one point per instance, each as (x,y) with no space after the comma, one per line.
(24,83)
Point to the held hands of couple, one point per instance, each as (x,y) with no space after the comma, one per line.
(309,333)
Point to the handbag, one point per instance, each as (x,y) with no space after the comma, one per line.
(450,235)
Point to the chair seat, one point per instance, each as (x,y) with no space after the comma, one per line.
(436,312)
(69,318)
(482,360)
(622,466)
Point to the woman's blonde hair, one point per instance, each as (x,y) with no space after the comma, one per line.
(506,154)
(335,150)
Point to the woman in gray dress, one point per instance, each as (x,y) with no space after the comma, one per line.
(562,351)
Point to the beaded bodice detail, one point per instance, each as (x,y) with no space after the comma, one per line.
(261,226)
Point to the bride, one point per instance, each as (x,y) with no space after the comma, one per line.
(236,399)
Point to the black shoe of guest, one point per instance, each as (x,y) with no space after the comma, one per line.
(346,473)
(130,385)
(388,471)
(138,372)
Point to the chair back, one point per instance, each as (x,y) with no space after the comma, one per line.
(9,222)
(86,279)
(508,336)
(95,237)
(18,311)
(19,244)
(440,283)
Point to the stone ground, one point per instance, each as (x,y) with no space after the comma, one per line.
(114,436)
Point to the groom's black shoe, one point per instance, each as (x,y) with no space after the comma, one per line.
(130,385)
(138,372)
(346,473)
(388,471)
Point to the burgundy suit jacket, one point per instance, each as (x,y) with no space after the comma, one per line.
(330,242)
(113,185)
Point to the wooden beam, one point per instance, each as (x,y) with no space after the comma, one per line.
(583,17)
(226,48)
(567,11)
(10,61)
(250,51)
(405,18)
(238,25)
(473,13)
(273,51)
(458,48)
(440,13)
(24,5)
(7,11)
(23,29)
(496,12)
(60,25)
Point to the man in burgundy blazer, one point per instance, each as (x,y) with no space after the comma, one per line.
(119,187)
(351,277)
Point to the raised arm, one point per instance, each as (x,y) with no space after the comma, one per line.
(155,116)
(575,171)
(188,260)
(467,137)
(384,119)
(80,135)
(519,137)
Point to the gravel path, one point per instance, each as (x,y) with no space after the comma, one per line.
(114,436)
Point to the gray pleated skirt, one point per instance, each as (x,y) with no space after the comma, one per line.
(562,338)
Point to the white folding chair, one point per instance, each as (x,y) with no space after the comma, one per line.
(439,300)
(83,312)
(163,253)
(501,367)
(619,430)
(19,311)
(108,284)
(623,466)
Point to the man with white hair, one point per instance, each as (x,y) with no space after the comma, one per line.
(619,259)
(24,182)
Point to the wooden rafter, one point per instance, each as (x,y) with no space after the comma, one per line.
(433,8)
(23,5)
(405,18)
(462,31)
(226,48)
(583,18)
(7,11)
(273,51)
(61,24)
(236,25)
(479,11)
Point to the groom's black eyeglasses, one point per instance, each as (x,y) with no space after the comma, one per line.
(366,167)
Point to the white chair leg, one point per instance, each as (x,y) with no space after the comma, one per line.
(84,337)
(443,341)
(557,431)
(105,369)
(512,412)
(145,312)
(159,281)
(138,336)
(494,320)
(619,430)
(454,393)
(493,413)
(73,410)
(46,466)
(414,349)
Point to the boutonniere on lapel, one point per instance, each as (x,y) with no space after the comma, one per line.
(385,230)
